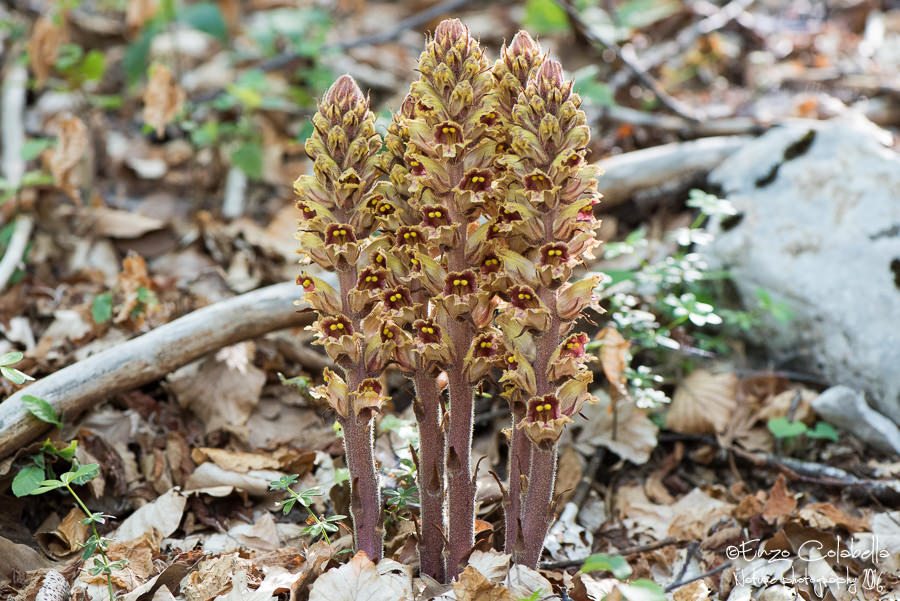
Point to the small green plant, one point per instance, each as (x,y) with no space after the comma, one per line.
(400,501)
(103,305)
(614,564)
(10,373)
(642,589)
(316,526)
(783,429)
(39,478)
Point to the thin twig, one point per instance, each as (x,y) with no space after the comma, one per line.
(685,39)
(571,563)
(715,570)
(887,490)
(16,249)
(587,478)
(627,56)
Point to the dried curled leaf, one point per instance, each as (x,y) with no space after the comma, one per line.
(63,160)
(163,98)
(138,13)
(473,586)
(704,403)
(356,580)
(131,280)
(43,47)
(614,357)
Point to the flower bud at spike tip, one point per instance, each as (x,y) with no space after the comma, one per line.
(450,32)
(344,93)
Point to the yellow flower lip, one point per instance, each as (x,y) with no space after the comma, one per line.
(307,282)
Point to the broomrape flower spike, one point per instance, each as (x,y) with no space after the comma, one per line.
(335,233)
(454,250)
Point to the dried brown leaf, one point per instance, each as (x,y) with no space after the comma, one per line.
(63,160)
(703,403)
(614,358)
(473,586)
(131,279)
(826,516)
(64,538)
(163,98)
(695,591)
(43,47)
(356,580)
(138,13)
(781,502)
(625,430)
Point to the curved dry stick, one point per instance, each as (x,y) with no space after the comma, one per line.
(150,357)
(625,174)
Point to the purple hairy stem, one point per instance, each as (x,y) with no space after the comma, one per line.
(538,502)
(460,481)
(430,473)
(365,496)
(519,466)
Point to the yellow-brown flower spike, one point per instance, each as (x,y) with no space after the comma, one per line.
(343,148)
(552,189)
(336,232)
(453,110)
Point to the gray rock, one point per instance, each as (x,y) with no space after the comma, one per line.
(819,227)
(847,409)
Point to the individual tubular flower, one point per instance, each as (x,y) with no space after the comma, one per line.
(336,231)
(549,185)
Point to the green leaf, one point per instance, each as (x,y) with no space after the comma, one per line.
(615,564)
(93,66)
(32,148)
(101,308)
(249,159)
(823,430)
(41,409)
(544,16)
(65,453)
(14,375)
(27,481)
(106,102)
(137,54)
(11,358)
(47,485)
(81,475)
(780,427)
(205,17)
(642,589)
(68,56)
(588,87)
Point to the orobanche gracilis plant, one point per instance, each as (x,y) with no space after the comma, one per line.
(453,240)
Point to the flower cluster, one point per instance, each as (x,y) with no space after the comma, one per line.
(454,250)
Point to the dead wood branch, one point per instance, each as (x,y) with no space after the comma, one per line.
(624,174)
(150,357)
